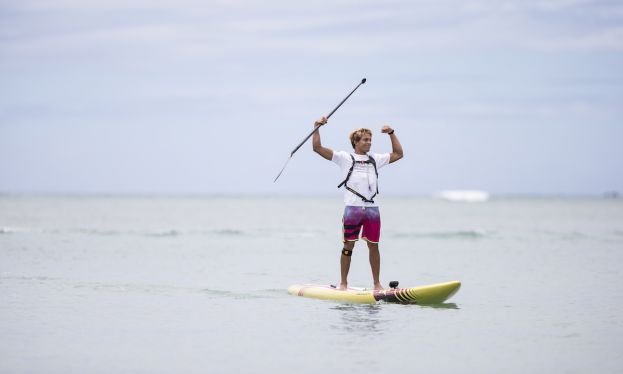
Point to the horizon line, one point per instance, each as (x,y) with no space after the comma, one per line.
(418,195)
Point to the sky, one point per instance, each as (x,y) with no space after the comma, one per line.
(210,97)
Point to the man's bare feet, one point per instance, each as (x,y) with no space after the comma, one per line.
(378,287)
(343,286)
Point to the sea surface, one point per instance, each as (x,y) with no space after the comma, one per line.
(198,285)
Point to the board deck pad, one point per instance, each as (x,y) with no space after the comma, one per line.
(422,295)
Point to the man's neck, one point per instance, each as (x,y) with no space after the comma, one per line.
(360,153)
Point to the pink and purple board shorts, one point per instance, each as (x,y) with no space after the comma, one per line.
(358,217)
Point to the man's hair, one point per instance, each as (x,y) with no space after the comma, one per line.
(356,135)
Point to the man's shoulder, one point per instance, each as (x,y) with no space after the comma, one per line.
(381,159)
(379,155)
(341,155)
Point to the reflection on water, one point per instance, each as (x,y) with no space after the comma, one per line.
(361,319)
(365,319)
(441,306)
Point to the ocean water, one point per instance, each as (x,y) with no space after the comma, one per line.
(198,285)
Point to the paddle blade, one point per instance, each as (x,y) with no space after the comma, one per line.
(282,169)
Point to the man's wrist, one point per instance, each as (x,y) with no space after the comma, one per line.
(391,132)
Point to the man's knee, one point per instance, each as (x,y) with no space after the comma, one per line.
(348,249)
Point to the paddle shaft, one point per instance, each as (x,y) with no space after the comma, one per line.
(316,129)
(328,116)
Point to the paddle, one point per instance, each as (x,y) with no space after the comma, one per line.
(316,129)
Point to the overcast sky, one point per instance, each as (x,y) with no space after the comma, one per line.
(210,97)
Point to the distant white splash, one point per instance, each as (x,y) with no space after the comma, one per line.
(6,230)
(467,196)
(15,230)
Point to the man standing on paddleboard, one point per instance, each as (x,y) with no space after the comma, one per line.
(360,180)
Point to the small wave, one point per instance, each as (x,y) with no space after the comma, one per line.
(113,232)
(213,292)
(460,234)
(570,235)
(263,294)
(228,232)
(98,232)
(38,278)
(612,236)
(167,233)
(151,233)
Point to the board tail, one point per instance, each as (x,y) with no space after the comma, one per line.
(432,294)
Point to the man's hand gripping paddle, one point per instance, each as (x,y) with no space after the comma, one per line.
(316,129)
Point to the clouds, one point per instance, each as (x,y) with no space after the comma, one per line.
(220,67)
(198,27)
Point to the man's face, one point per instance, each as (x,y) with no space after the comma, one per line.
(364,144)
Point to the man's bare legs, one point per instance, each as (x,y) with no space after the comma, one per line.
(375,264)
(345,264)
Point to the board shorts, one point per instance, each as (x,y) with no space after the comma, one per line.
(357,218)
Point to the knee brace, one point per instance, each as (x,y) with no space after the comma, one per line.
(347,252)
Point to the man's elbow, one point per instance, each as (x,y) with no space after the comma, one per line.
(320,151)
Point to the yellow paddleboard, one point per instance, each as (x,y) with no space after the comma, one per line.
(431,294)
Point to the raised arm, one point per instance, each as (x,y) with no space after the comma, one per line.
(318,148)
(397,153)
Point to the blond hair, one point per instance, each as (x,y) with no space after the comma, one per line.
(356,135)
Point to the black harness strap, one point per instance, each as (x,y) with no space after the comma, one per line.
(370,160)
(361,196)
